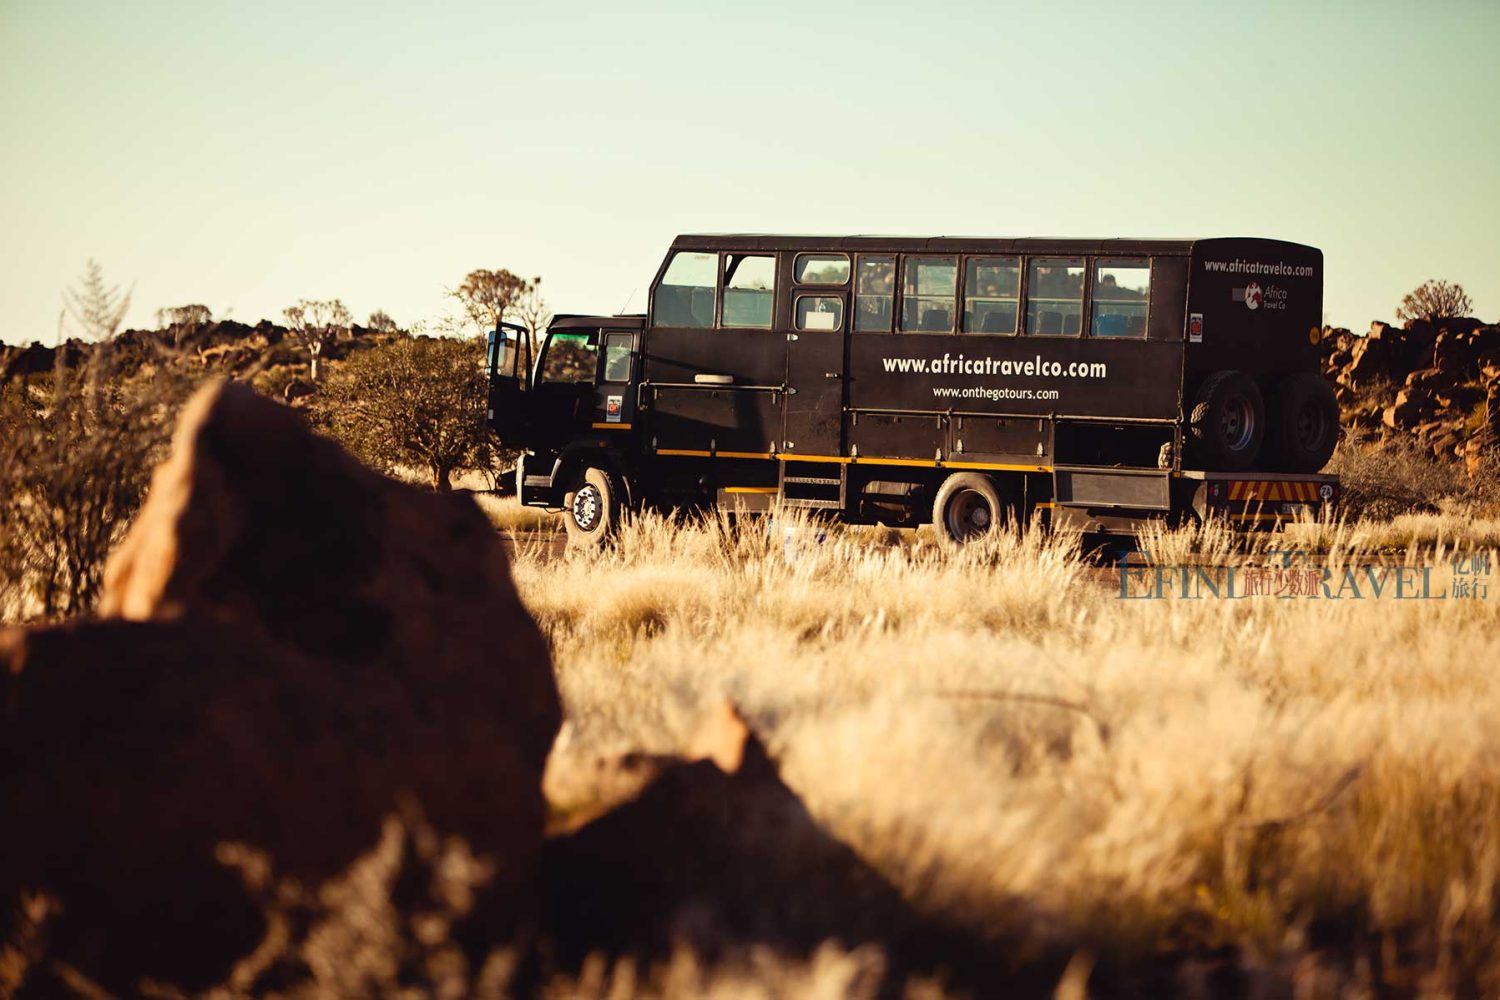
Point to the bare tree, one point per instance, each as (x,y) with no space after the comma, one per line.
(1434,300)
(316,324)
(98,308)
(381,322)
(416,401)
(74,470)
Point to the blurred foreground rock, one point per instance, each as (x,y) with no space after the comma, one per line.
(292,646)
(713,850)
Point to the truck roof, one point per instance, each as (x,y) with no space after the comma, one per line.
(956,244)
(566,321)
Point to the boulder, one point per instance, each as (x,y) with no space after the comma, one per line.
(297,388)
(1404,413)
(1427,379)
(292,646)
(18,362)
(1369,361)
(1460,398)
(1491,429)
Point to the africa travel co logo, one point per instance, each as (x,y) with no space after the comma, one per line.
(1255,297)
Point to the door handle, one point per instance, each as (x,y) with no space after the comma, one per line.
(714,379)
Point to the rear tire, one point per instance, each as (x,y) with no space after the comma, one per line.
(1304,422)
(1227,423)
(591,508)
(969,506)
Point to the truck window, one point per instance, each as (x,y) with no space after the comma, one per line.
(569,357)
(1054,296)
(1121,297)
(749,290)
(685,297)
(617,357)
(992,294)
(822,269)
(820,312)
(875,293)
(927,294)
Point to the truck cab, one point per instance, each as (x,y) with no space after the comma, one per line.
(573,394)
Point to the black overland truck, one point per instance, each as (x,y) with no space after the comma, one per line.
(964,382)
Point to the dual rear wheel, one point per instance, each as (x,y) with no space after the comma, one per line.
(1232,427)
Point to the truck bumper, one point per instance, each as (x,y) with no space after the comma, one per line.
(1250,500)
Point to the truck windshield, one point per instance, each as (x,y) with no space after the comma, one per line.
(569,357)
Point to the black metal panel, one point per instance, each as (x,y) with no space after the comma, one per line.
(1261,303)
(1131,379)
(893,435)
(1023,439)
(1169,281)
(705,419)
(718,372)
(1099,488)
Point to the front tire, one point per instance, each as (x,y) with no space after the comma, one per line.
(969,506)
(591,508)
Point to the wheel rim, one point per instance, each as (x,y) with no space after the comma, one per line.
(588,507)
(1238,423)
(1311,425)
(969,515)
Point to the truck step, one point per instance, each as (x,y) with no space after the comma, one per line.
(812,480)
(811,504)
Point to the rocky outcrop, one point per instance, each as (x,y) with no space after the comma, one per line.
(1431,384)
(292,645)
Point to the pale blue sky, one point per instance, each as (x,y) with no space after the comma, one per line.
(247,155)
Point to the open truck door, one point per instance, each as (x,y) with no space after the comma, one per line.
(509,361)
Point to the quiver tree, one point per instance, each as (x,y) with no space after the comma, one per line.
(316,324)
(488,296)
(184,322)
(415,402)
(1432,301)
(380,321)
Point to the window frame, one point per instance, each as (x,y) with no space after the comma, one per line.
(716,286)
(899,308)
(724,256)
(544,354)
(803,283)
(1143,263)
(895,262)
(1083,295)
(1020,299)
(812,293)
(629,338)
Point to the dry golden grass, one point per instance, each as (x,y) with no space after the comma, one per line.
(1019,750)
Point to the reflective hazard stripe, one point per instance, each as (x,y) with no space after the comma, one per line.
(1268,490)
